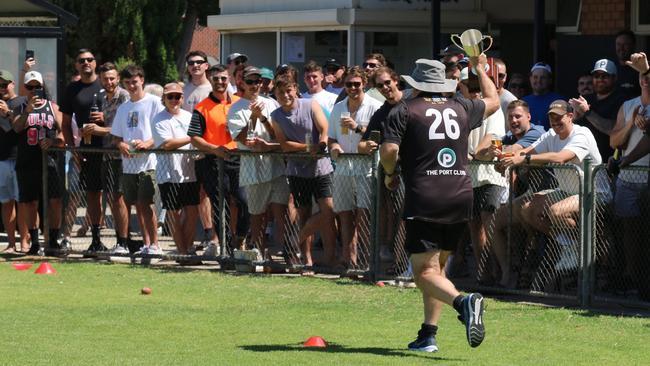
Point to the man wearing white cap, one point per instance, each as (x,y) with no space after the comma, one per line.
(541,79)
(598,111)
(429,133)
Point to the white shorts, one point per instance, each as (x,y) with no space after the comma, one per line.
(8,181)
(351,192)
(260,195)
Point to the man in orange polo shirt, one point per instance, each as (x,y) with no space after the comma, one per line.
(209,133)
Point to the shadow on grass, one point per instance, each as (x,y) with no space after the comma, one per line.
(337,348)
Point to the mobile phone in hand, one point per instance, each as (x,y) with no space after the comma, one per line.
(29,54)
(40,93)
(375,136)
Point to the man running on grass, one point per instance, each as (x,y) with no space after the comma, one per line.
(430,133)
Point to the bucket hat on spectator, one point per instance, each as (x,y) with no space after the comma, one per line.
(6,75)
(33,75)
(429,76)
(606,66)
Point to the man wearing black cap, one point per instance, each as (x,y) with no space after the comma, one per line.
(334,71)
(430,134)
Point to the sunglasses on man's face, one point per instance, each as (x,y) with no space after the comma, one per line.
(173,96)
(370,65)
(216,79)
(33,87)
(253,81)
(82,60)
(351,84)
(195,62)
(385,83)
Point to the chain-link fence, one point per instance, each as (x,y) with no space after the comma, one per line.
(558,230)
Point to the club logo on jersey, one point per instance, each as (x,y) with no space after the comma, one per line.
(446,157)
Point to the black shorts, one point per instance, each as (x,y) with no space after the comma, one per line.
(111,175)
(30,184)
(423,236)
(175,196)
(303,189)
(201,168)
(90,176)
(487,198)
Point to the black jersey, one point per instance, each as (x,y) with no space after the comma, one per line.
(432,133)
(40,125)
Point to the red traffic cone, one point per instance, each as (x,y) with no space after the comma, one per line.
(22,266)
(45,268)
(315,341)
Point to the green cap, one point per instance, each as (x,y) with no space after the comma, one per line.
(4,74)
(266,73)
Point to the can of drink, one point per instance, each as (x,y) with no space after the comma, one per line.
(308,141)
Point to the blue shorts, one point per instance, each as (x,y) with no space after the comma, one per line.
(8,181)
(626,200)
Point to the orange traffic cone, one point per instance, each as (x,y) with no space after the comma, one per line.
(315,341)
(22,266)
(45,268)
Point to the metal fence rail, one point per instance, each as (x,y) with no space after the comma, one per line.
(555,230)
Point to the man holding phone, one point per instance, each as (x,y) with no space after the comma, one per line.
(79,99)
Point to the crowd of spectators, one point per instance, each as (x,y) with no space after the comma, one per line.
(218,110)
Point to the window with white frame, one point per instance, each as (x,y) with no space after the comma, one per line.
(641,16)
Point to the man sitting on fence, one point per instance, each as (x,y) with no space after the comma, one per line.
(553,212)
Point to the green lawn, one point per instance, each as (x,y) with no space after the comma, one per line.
(93,314)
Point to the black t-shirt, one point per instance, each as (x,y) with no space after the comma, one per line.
(606,108)
(378,120)
(40,125)
(78,99)
(9,139)
(432,133)
(627,81)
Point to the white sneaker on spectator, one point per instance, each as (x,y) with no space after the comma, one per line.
(144,250)
(118,249)
(568,253)
(212,250)
(154,250)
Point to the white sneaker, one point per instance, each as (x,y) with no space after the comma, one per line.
(568,253)
(211,250)
(154,250)
(144,250)
(118,249)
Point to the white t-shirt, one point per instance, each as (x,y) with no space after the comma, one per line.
(504,99)
(194,94)
(350,141)
(325,99)
(635,136)
(583,144)
(133,122)
(254,169)
(173,168)
(375,93)
(483,174)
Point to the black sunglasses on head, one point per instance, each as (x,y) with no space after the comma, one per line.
(83,60)
(196,62)
(350,84)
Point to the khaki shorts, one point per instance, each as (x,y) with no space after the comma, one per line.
(260,195)
(139,187)
(351,192)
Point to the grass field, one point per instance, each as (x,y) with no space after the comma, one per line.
(94,314)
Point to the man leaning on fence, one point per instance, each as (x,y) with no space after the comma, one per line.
(262,176)
(430,134)
(555,212)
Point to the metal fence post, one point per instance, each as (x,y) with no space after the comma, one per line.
(45,200)
(222,207)
(586,239)
(375,264)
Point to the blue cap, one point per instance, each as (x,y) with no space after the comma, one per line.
(606,66)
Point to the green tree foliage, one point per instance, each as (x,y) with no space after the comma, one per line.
(148,32)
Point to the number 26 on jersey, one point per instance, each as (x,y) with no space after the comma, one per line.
(444,125)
